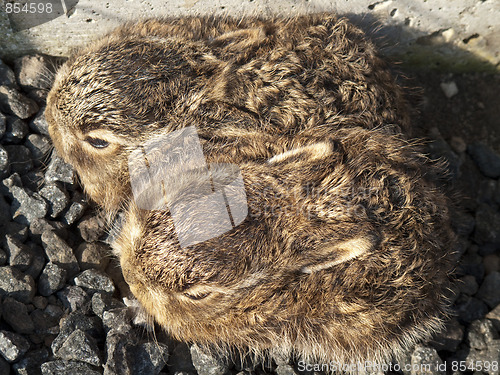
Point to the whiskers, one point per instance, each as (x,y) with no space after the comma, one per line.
(145,324)
(48,73)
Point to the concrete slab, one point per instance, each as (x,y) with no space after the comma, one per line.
(453,35)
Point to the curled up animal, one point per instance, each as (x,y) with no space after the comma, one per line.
(274,200)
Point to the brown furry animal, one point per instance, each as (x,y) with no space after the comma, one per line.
(345,253)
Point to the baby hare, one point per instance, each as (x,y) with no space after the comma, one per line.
(336,241)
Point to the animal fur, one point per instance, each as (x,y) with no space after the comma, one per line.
(345,253)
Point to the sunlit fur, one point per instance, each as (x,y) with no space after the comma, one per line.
(345,253)
(252,88)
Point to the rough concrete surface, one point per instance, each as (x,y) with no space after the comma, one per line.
(454,35)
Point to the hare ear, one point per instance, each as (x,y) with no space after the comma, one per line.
(332,254)
(318,150)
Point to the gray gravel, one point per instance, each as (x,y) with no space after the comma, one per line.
(57,197)
(59,252)
(74,298)
(22,257)
(20,160)
(207,363)
(93,281)
(481,334)
(39,124)
(15,130)
(26,206)
(489,291)
(62,297)
(91,228)
(93,255)
(13,346)
(7,76)
(12,102)
(39,146)
(103,302)
(13,283)
(4,162)
(423,355)
(3,124)
(450,338)
(67,367)
(79,346)
(76,209)
(58,170)
(52,279)
(15,313)
(33,71)
(487,224)
(31,362)
(487,160)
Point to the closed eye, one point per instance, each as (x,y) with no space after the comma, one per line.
(97,142)
(197,297)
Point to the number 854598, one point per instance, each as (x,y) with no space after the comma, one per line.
(28,8)
(474,366)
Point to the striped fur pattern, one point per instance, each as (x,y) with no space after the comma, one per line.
(345,253)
